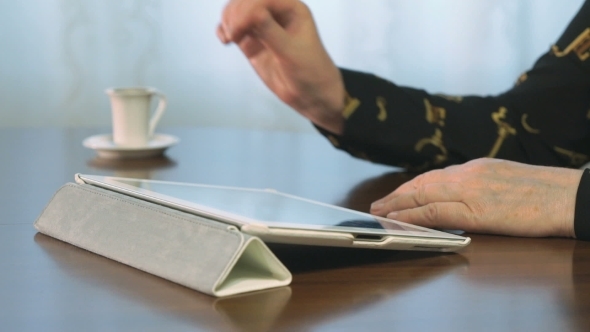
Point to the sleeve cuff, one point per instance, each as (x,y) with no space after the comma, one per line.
(582,211)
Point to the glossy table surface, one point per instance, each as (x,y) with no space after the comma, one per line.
(495,284)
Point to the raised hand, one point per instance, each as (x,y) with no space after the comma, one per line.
(280,39)
(488,196)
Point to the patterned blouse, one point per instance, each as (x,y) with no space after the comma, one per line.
(544,119)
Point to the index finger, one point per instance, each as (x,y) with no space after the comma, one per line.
(434,176)
(426,194)
(445,215)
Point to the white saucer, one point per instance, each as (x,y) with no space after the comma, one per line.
(106,148)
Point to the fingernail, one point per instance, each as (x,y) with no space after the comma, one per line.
(392,215)
(377,206)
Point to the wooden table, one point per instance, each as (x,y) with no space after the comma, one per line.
(495,284)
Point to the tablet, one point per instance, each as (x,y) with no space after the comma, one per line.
(282,218)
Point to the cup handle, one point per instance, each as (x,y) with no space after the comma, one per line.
(158,113)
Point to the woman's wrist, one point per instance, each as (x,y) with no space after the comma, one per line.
(328,112)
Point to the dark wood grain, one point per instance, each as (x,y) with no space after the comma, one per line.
(495,284)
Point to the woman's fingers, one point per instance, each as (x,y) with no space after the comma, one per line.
(446,215)
(437,176)
(272,35)
(423,195)
(243,17)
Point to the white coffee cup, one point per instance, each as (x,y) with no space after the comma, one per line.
(133,124)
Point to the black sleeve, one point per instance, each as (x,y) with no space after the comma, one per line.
(542,120)
(582,213)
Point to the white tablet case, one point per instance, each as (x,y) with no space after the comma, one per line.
(199,253)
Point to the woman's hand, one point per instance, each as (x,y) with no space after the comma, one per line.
(280,39)
(488,196)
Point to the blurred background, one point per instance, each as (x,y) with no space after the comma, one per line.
(58,56)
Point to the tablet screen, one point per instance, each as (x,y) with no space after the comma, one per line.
(264,206)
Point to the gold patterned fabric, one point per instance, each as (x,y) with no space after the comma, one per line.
(543,119)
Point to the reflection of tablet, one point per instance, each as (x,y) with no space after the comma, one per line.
(282,218)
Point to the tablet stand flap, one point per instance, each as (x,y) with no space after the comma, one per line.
(199,253)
